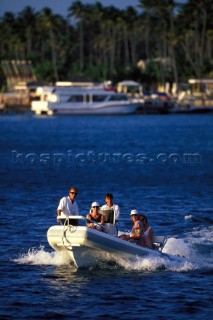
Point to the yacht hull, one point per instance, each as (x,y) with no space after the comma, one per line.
(94,109)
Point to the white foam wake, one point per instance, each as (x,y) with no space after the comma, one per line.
(156,264)
(178,247)
(41,257)
(196,248)
(203,235)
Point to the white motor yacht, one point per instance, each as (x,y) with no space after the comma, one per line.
(82,101)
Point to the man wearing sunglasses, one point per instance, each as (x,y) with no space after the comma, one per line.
(68,207)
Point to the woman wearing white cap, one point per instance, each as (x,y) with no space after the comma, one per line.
(137,229)
(95,216)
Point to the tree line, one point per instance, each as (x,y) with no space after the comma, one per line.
(159,41)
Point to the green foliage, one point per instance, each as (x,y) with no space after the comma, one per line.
(99,43)
(44,70)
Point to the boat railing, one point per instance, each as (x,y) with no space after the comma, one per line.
(71,220)
(108,228)
(74,221)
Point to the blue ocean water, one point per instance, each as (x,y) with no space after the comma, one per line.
(158,164)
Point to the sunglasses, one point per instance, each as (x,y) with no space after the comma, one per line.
(142,219)
(73,192)
(96,207)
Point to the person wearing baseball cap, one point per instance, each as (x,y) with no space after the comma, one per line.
(134,212)
(136,235)
(95,219)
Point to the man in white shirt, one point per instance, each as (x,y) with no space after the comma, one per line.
(110,210)
(68,206)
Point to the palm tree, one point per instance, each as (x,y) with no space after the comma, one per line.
(108,39)
(195,19)
(77,10)
(162,12)
(48,23)
(8,34)
(130,25)
(26,20)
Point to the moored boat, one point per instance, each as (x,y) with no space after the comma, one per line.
(82,101)
(85,247)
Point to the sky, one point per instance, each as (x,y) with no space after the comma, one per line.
(57,6)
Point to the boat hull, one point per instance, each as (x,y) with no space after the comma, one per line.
(93,109)
(85,247)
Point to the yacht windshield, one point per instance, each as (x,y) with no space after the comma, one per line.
(118,97)
(76,98)
(99,97)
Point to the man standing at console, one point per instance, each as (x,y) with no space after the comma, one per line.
(68,206)
(110,210)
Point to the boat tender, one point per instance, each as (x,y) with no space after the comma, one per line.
(86,247)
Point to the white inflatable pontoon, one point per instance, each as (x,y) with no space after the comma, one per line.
(85,246)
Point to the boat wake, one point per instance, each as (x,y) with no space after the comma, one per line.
(41,257)
(156,264)
(196,247)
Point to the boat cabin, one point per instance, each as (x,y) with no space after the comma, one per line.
(85,95)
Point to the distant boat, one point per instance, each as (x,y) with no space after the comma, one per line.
(196,97)
(191,109)
(82,101)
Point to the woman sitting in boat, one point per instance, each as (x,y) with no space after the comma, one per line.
(136,235)
(95,220)
(142,233)
(147,231)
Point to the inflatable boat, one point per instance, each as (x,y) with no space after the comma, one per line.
(86,247)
